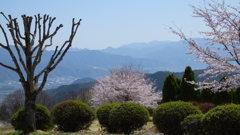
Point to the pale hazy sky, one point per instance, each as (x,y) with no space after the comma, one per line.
(113,22)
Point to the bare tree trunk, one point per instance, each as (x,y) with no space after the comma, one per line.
(30,107)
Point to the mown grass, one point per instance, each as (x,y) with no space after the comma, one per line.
(94,129)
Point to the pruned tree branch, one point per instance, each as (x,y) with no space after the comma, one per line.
(59,54)
(9,67)
(29,54)
(7,47)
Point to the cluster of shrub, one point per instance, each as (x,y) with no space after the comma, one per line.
(74,115)
(175,117)
(69,116)
(220,112)
(175,89)
(178,117)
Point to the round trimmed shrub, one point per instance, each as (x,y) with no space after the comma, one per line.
(72,116)
(192,124)
(168,116)
(222,120)
(103,115)
(42,116)
(128,117)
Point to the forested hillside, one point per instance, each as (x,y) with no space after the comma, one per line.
(63,92)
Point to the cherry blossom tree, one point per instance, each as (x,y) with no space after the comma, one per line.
(125,84)
(222,51)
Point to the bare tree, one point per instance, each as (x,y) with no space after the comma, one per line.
(222,51)
(46,100)
(29,46)
(85,96)
(14,101)
(72,95)
(4,114)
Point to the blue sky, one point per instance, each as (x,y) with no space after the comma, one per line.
(113,22)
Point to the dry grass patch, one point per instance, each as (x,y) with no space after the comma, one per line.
(94,129)
(5,130)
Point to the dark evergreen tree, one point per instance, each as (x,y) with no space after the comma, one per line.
(224,78)
(206,95)
(236,96)
(170,89)
(187,90)
(178,88)
(221,96)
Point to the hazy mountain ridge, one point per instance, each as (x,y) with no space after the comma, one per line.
(84,80)
(80,63)
(171,55)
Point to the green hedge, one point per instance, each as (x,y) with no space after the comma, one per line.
(192,124)
(168,116)
(103,116)
(222,120)
(42,116)
(128,117)
(72,116)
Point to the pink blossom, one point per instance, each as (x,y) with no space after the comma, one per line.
(126,84)
(222,51)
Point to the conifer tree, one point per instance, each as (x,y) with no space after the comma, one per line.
(187,90)
(178,88)
(206,95)
(236,98)
(169,90)
(222,96)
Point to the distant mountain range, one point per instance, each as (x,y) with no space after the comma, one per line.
(170,56)
(81,63)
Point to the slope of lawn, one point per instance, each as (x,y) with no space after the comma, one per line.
(94,129)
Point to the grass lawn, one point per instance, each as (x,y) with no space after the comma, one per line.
(94,129)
